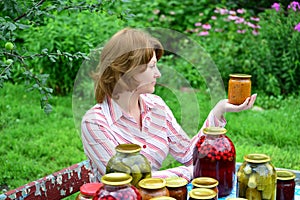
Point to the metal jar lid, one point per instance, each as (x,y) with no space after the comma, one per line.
(163,198)
(152,183)
(257,158)
(128,148)
(90,188)
(116,178)
(237,198)
(285,175)
(202,193)
(214,130)
(240,75)
(174,182)
(205,182)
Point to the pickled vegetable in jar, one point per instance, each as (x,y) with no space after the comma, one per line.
(214,156)
(239,88)
(206,182)
(285,185)
(177,187)
(116,186)
(153,187)
(88,191)
(202,194)
(129,160)
(256,178)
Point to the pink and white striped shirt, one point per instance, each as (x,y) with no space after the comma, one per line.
(106,125)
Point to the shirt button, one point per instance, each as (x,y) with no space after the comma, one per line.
(144,146)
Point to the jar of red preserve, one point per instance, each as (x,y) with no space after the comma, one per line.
(285,185)
(116,186)
(214,156)
(88,191)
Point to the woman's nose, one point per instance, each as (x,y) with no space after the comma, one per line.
(157,73)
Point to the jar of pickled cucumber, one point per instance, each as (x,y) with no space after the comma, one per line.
(206,182)
(202,194)
(117,186)
(153,187)
(256,178)
(285,185)
(129,160)
(239,88)
(214,156)
(177,187)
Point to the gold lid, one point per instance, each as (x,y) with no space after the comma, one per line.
(202,193)
(116,178)
(163,198)
(176,182)
(233,198)
(257,158)
(240,75)
(214,130)
(152,183)
(205,182)
(128,148)
(285,175)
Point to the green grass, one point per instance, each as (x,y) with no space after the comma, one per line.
(34,145)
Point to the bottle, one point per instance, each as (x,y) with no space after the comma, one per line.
(256,178)
(153,187)
(285,185)
(239,88)
(129,160)
(206,182)
(202,194)
(88,191)
(177,187)
(116,186)
(214,156)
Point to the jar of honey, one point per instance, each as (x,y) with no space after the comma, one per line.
(153,187)
(285,185)
(239,88)
(206,182)
(177,187)
(202,194)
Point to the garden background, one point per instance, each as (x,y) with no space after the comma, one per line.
(44,43)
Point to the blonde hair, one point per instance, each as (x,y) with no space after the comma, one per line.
(124,55)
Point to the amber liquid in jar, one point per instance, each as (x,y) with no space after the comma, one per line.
(153,187)
(177,187)
(285,185)
(239,88)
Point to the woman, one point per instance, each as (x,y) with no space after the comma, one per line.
(128,112)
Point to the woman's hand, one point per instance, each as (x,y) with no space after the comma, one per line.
(224,106)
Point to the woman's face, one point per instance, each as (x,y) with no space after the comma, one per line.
(147,79)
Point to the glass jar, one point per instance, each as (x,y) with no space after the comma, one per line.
(153,187)
(202,194)
(163,198)
(116,186)
(285,185)
(214,156)
(256,178)
(206,182)
(239,88)
(129,160)
(177,187)
(88,191)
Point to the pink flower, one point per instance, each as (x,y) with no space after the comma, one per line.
(203,33)
(213,17)
(206,26)
(251,25)
(232,12)
(232,17)
(276,6)
(223,11)
(294,5)
(240,11)
(198,24)
(297,27)
(239,20)
(241,31)
(255,32)
(254,19)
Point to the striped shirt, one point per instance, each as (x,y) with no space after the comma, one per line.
(106,125)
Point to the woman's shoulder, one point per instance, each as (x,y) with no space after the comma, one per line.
(153,99)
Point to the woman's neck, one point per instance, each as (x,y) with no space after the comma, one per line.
(129,102)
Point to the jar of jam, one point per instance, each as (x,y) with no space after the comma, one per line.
(116,186)
(256,178)
(214,156)
(88,191)
(206,182)
(202,194)
(153,187)
(239,88)
(285,185)
(129,160)
(177,187)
